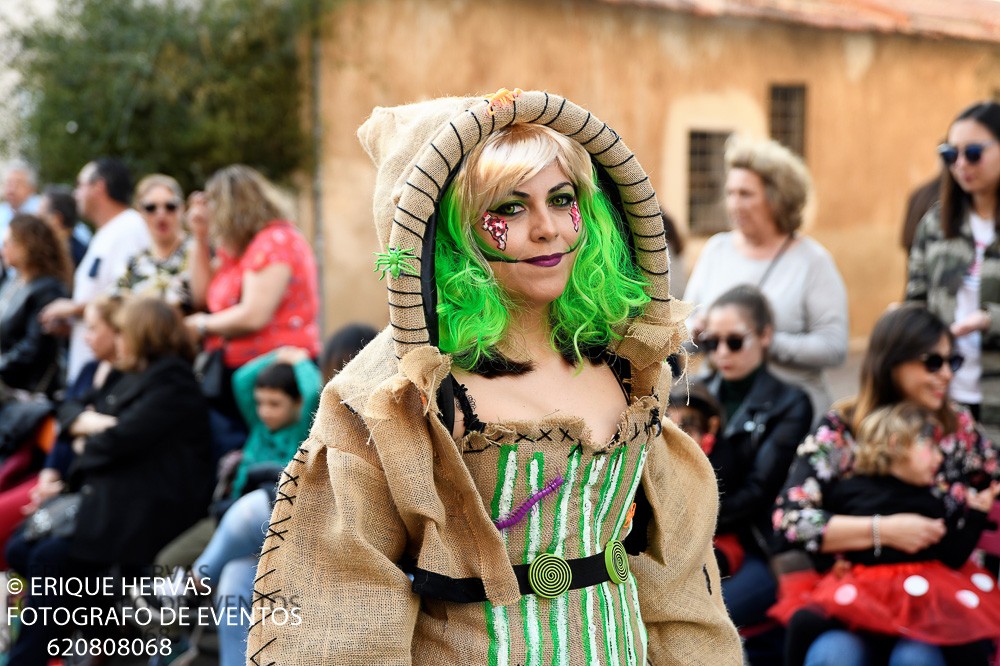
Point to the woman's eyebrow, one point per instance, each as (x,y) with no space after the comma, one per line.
(525,195)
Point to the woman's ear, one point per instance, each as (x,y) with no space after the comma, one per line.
(767,336)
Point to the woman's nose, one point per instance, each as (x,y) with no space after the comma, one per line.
(544,224)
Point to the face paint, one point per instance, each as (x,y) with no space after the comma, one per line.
(574,214)
(496,227)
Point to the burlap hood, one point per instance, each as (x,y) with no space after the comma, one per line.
(418,147)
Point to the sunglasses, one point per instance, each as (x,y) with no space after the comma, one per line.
(973,152)
(934,362)
(169,206)
(733,342)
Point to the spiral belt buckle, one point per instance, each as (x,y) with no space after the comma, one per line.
(550,576)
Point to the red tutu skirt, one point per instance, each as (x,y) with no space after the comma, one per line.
(925,601)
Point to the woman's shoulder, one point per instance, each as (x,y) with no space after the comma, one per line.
(811,249)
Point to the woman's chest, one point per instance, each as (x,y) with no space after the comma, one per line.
(548,488)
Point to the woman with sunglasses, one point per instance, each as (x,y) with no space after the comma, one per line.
(910,357)
(765,419)
(163,269)
(766,190)
(954,263)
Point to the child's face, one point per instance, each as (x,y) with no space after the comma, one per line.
(688,419)
(275,408)
(920,463)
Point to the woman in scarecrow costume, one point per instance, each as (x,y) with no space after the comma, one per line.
(490,480)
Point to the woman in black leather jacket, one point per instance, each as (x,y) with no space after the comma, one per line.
(29,357)
(764,420)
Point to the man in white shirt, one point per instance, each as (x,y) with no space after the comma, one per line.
(103,190)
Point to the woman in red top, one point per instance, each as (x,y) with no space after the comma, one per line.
(256,275)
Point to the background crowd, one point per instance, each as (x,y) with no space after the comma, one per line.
(165,359)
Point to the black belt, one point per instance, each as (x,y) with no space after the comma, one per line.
(547,576)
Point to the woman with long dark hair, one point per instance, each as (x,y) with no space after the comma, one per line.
(955,260)
(910,357)
(29,356)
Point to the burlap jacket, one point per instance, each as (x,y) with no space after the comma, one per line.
(936,269)
(381,479)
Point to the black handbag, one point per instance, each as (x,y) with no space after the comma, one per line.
(55,518)
(210,370)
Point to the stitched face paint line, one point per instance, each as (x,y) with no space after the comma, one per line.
(574,214)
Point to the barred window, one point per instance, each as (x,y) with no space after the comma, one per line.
(788,117)
(706,182)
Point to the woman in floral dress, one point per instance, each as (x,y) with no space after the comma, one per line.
(910,357)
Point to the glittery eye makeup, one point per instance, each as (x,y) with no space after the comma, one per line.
(496,227)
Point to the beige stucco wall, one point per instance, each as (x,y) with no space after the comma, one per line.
(877,106)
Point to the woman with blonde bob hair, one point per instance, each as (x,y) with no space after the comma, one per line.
(256,275)
(492,470)
(766,190)
(164,268)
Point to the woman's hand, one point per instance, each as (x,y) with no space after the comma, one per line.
(911,532)
(91,423)
(982,500)
(196,325)
(291,355)
(79,445)
(977,321)
(198,217)
(49,485)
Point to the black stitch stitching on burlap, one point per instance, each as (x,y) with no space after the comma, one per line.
(599,133)
(545,435)
(443,158)
(558,113)
(613,144)
(404,293)
(461,144)
(409,330)
(656,250)
(423,192)
(636,203)
(649,272)
(429,177)
(395,221)
(292,479)
(409,342)
(565,435)
(285,497)
(658,234)
(708,579)
(522,437)
(415,217)
(478,124)
(253,657)
(404,307)
(589,116)
(660,300)
(493,121)
(544,109)
(615,166)
(644,217)
(641,180)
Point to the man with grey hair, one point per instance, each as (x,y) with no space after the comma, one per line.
(19,192)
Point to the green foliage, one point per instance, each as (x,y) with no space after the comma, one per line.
(178,86)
